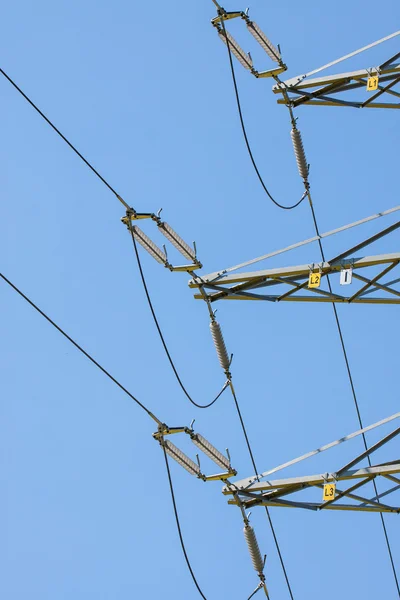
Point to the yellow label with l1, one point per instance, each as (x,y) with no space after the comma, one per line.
(372,83)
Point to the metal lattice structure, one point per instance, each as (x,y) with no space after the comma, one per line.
(306,281)
(365,276)
(359,86)
(253,491)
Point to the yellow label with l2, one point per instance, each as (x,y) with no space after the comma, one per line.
(314,280)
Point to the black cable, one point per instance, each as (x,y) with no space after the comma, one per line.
(148,297)
(245,133)
(266,507)
(43,314)
(206,406)
(333,306)
(69,338)
(155,320)
(353,391)
(229,383)
(137,255)
(149,300)
(171,487)
(124,203)
(63,137)
(160,333)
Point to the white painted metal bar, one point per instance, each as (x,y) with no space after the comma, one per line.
(294,81)
(303,243)
(245,482)
(363,49)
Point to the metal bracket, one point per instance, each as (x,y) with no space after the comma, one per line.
(203,445)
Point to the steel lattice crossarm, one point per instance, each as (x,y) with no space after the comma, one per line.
(271,493)
(377,85)
(253,492)
(306,281)
(269,284)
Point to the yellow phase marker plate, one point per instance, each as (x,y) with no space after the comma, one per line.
(329,491)
(314,280)
(372,83)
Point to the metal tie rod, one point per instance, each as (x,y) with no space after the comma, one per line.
(342,58)
(308,241)
(248,481)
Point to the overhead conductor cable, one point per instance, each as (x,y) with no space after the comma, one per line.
(230,51)
(303,170)
(149,245)
(177,241)
(240,54)
(264,42)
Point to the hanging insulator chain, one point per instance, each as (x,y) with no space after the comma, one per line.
(220,347)
(208,449)
(244,59)
(181,458)
(255,554)
(149,245)
(264,42)
(301,160)
(177,241)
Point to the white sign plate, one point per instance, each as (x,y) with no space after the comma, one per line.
(346,275)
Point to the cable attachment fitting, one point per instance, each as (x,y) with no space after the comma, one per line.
(261,586)
(132,215)
(244,58)
(223,15)
(194,468)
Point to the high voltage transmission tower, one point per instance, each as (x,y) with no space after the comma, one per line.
(346,278)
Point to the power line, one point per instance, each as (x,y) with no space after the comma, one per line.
(245,133)
(171,487)
(229,383)
(306,193)
(318,236)
(266,507)
(172,364)
(285,208)
(62,136)
(160,333)
(49,122)
(70,339)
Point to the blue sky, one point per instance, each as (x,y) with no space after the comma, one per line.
(145,93)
